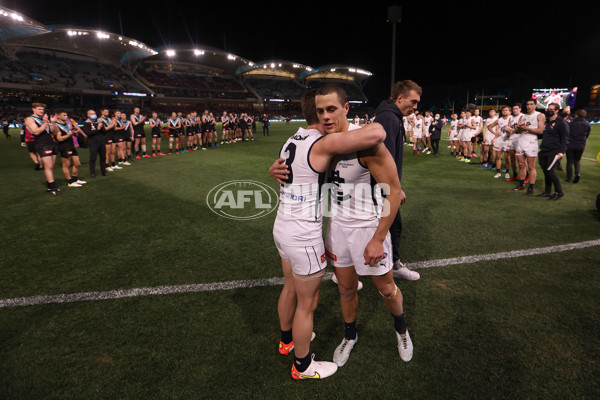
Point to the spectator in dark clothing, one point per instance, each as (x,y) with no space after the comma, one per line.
(553,147)
(404,99)
(265,124)
(579,131)
(436,134)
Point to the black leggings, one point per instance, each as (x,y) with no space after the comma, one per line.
(574,159)
(550,177)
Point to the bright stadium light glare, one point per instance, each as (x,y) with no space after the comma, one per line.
(199,52)
(102,35)
(230,57)
(170,53)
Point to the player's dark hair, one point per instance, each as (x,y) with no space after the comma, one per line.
(532,99)
(329,88)
(517,105)
(580,114)
(309,109)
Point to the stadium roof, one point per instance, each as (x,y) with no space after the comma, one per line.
(15,25)
(338,72)
(114,48)
(272,68)
(203,56)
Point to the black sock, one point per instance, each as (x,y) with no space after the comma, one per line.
(531,186)
(351,330)
(286,336)
(399,323)
(521,182)
(302,363)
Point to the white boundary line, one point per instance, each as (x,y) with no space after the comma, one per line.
(242,284)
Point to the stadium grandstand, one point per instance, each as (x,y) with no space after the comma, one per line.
(75,67)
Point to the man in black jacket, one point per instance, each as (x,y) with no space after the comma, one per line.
(405,97)
(553,147)
(579,132)
(436,134)
(96,143)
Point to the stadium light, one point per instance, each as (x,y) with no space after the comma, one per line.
(199,52)
(170,53)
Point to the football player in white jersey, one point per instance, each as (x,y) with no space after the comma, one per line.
(427,120)
(298,232)
(417,124)
(411,124)
(358,241)
(512,138)
(531,125)
(466,136)
(500,142)
(453,135)
(477,122)
(488,139)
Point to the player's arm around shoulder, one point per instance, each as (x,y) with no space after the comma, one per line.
(346,142)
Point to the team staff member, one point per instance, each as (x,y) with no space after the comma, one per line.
(402,102)
(66,147)
(579,132)
(554,144)
(96,143)
(436,134)
(39,126)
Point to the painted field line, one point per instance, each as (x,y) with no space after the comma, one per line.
(243,284)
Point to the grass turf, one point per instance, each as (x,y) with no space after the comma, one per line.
(524,327)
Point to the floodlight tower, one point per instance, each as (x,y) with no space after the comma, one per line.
(394,16)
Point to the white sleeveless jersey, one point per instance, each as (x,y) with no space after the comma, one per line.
(489,122)
(513,122)
(299,220)
(427,123)
(453,128)
(405,122)
(469,121)
(531,120)
(477,122)
(502,123)
(356,200)
(418,125)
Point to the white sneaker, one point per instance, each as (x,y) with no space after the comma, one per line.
(316,370)
(335,280)
(342,352)
(126,163)
(74,184)
(405,346)
(80,182)
(109,169)
(498,175)
(117,167)
(507,176)
(400,271)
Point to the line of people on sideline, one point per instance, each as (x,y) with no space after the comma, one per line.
(115,138)
(509,143)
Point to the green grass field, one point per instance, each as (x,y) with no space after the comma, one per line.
(523,327)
